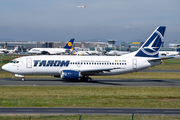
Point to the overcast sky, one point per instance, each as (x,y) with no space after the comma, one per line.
(61,20)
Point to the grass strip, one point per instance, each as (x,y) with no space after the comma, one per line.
(127,97)
(87,117)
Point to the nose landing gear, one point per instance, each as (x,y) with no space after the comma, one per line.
(22,79)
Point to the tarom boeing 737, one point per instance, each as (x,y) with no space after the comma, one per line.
(81,67)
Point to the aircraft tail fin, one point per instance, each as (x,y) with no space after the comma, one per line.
(69,44)
(15,48)
(178,50)
(5,46)
(152,45)
(128,49)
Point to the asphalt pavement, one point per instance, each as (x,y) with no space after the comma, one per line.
(94,82)
(95,111)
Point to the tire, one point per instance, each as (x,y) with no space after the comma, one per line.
(22,79)
(89,79)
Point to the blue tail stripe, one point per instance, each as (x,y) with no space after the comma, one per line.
(151,46)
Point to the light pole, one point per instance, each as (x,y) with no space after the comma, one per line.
(175,45)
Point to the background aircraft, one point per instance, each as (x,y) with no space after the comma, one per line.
(169,53)
(52,51)
(81,6)
(85,53)
(5,51)
(118,53)
(81,67)
(15,49)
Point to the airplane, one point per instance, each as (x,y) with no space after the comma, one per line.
(118,53)
(52,51)
(81,6)
(79,53)
(4,50)
(169,53)
(85,53)
(94,52)
(81,67)
(15,49)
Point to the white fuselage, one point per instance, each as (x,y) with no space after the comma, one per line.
(118,53)
(49,50)
(3,50)
(53,65)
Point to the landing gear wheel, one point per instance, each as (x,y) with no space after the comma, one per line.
(22,79)
(89,79)
(86,79)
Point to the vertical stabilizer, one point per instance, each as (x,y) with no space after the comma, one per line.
(5,46)
(69,44)
(152,45)
(128,49)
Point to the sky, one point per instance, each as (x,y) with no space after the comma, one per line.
(60,20)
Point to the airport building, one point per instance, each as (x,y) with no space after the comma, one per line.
(24,46)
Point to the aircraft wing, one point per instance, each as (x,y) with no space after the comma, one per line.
(163,58)
(97,71)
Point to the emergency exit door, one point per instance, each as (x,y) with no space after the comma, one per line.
(28,62)
(134,63)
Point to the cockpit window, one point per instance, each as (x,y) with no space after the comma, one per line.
(14,61)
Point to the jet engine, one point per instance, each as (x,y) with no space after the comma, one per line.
(70,74)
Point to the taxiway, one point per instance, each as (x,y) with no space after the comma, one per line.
(94,82)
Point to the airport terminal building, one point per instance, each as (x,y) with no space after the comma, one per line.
(25,46)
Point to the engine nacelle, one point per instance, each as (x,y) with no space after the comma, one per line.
(70,74)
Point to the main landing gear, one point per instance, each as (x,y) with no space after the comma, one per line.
(86,78)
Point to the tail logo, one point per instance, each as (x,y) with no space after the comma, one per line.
(69,44)
(152,48)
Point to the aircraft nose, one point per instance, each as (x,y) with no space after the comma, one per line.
(5,67)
